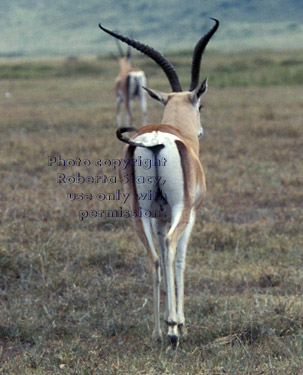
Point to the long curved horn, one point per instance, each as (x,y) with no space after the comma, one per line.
(166,66)
(197,55)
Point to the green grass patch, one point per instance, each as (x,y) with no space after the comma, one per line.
(70,67)
(223,69)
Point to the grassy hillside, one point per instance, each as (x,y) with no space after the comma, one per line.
(76,297)
(70,27)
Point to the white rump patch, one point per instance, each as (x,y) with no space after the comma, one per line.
(136,81)
(169,172)
(156,138)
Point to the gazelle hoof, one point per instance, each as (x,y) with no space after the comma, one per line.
(182,331)
(173,340)
(157,338)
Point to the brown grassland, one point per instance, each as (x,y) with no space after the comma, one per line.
(76,297)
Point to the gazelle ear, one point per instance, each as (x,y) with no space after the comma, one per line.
(199,91)
(157,95)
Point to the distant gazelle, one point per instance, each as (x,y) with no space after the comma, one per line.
(172,147)
(129,86)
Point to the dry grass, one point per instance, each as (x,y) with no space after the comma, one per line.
(76,296)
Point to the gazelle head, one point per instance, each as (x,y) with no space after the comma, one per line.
(124,60)
(180,106)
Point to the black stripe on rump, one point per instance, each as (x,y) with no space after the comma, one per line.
(185,161)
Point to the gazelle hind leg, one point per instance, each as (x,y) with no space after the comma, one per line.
(142,97)
(179,271)
(161,229)
(179,219)
(143,228)
(128,113)
(172,172)
(144,231)
(118,110)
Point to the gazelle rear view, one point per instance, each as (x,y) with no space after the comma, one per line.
(183,188)
(128,86)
